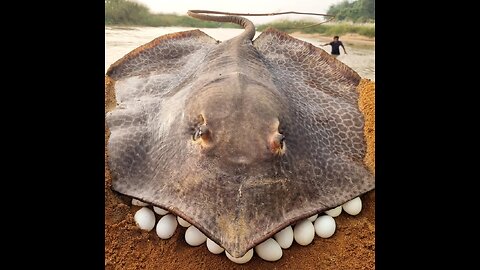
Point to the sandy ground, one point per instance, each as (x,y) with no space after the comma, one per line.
(351,247)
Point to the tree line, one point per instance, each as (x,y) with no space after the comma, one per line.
(356,11)
(123,12)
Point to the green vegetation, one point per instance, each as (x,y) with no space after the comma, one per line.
(123,12)
(330,29)
(356,11)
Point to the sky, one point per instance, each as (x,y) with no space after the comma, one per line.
(244,6)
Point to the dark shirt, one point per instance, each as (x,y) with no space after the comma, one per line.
(336,47)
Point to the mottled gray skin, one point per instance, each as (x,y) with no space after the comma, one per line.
(235,185)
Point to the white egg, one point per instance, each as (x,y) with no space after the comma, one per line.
(269,250)
(335,212)
(183,222)
(194,236)
(284,237)
(353,207)
(325,226)
(138,203)
(213,247)
(313,218)
(160,211)
(145,219)
(244,259)
(166,226)
(304,232)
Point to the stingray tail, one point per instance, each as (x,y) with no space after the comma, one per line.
(249,32)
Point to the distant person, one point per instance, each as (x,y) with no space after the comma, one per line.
(335,46)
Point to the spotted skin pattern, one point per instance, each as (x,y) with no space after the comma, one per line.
(232,187)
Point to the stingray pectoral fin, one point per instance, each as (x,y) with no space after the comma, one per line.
(323,116)
(302,59)
(323,128)
(150,83)
(163,54)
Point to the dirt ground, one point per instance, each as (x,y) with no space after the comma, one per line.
(351,247)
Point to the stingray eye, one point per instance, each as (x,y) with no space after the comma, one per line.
(197,135)
(282,141)
(278,145)
(201,132)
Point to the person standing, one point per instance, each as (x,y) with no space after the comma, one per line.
(336,46)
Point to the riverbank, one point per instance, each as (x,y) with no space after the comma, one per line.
(347,39)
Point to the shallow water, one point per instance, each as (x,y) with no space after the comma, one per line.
(121,40)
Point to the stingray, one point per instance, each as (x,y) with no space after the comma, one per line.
(240,138)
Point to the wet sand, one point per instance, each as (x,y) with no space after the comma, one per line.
(351,247)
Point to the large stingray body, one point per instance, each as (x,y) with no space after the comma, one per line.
(197,125)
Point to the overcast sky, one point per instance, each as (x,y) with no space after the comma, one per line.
(245,6)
